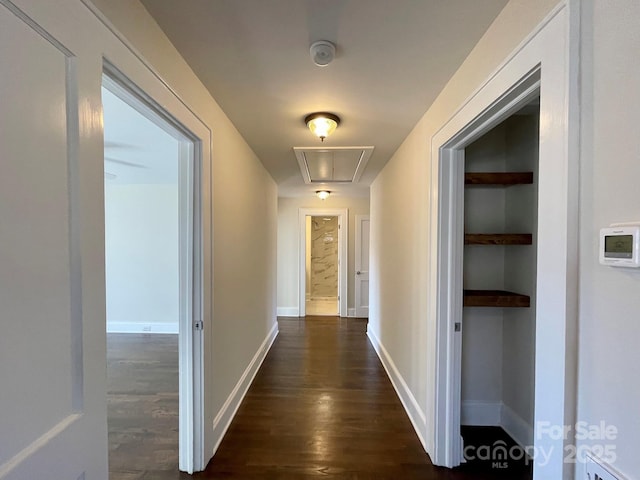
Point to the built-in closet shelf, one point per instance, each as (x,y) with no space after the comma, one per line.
(498,238)
(494,298)
(498,178)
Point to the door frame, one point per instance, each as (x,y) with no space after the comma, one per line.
(191,368)
(343,227)
(358,265)
(451,224)
(548,53)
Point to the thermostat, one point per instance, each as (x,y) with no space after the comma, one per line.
(620,246)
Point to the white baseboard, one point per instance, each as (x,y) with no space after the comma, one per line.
(480,413)
(516,427)
(132,327)
(351,312)
(499,415)
(415,413)
(288,311)
(228,411)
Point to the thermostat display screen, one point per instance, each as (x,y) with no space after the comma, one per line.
(618,246)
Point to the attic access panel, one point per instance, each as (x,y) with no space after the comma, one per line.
(332,164)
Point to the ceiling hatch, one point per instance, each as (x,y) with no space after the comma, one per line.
(332,164)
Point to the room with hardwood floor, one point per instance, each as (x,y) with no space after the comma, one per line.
(142,402)
(144,298)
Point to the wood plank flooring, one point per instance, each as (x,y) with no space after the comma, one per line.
(142,386)
(321,406)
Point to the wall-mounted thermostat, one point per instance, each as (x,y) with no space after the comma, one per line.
(620,246)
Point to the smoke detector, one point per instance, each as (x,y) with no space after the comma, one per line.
(322,52)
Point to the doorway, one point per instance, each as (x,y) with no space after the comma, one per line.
(321,265)
(498,322)
(362,266)
(539,67)
(152,285)
(466,277)
(323,262)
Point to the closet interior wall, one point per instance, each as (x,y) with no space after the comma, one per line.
(498,348)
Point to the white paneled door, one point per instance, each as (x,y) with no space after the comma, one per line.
(52,424)
(362,266)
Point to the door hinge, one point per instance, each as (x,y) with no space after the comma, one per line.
(457,327)
(199,325)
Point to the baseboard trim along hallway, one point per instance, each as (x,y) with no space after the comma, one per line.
(228,411)
(409,402)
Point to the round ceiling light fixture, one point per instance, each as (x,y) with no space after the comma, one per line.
(322,52)
(322,124)
(323,194)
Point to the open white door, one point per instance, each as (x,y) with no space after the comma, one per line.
(362,266)
(53,422)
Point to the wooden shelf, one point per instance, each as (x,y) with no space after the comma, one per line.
(498,178)
(498,239)
(494,298)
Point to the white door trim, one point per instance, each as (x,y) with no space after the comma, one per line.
(343,223)
(361,311)
(550,51)
(451,228)
(191,415)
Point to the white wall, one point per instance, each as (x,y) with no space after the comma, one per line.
(609,299)
(243,196)
(399,206)
(288,245)
(498,343)
(141,246)
(608,387)
(519,326)
(484,212)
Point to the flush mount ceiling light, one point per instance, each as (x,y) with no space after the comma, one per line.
(323,194)
(322,52)
(322,124)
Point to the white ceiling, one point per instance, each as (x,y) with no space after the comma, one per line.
(393,58)
(136,150)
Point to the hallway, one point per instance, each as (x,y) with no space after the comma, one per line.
(322,406)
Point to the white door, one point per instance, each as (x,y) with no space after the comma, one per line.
(362,266)
(52,399)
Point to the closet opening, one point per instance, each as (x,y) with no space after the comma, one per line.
(499,292)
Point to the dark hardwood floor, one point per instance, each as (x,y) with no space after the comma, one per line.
(492,453)
(142,374)
(321,406)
